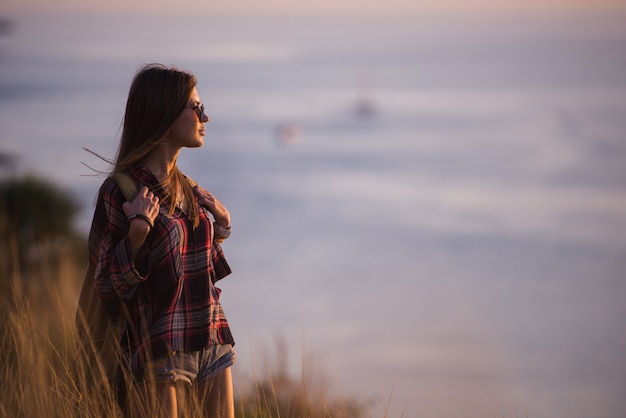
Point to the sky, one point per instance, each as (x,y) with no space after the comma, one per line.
(304,6)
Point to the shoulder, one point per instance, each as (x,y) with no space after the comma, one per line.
(191,182)
(109,210)
(109,187)
(111,193)
(123,185)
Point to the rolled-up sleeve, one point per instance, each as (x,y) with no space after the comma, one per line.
(221,268)
(125,276)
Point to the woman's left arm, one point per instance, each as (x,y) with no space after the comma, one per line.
(217,209)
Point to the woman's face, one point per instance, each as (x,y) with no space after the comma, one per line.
(188,130)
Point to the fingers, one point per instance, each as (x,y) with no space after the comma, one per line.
(205,197)
(207,202)
(214,206)
(146,203)
(153,205)
(145,192)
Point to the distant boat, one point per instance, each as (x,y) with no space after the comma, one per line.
(365,104)
(6,26)
(366,107)
(288,133)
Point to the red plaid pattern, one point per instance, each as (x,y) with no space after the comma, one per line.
(170,288)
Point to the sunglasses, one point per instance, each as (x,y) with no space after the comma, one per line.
(199,109)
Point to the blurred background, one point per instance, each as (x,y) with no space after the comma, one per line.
(428,201)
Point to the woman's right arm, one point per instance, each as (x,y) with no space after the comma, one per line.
(119,254)
(146,205)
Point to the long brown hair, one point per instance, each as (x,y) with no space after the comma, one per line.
(157,96)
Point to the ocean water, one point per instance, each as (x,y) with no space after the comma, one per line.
(433,207)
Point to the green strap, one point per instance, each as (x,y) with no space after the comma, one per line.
(129,188)
(127,184)
(191,182)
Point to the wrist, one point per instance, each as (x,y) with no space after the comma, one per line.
(138,230)
(138,216)
(139,226)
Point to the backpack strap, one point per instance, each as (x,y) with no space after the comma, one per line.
(191,182)
(129,188)
(127,184)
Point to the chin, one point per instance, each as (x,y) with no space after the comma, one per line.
(194,145)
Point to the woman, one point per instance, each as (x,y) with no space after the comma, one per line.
(158,256)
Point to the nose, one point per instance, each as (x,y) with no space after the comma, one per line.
(205,118)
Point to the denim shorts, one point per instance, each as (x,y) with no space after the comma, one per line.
(196,366)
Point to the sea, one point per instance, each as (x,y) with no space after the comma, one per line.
(429,210)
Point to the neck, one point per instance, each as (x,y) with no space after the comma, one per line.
(161,161)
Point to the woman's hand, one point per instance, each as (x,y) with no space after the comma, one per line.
(145,204)
(217,209)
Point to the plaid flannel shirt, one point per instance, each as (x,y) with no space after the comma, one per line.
(169,288)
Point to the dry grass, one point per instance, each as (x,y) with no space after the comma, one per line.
(273,392)
(38,346)
(45,375)
(44,370)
